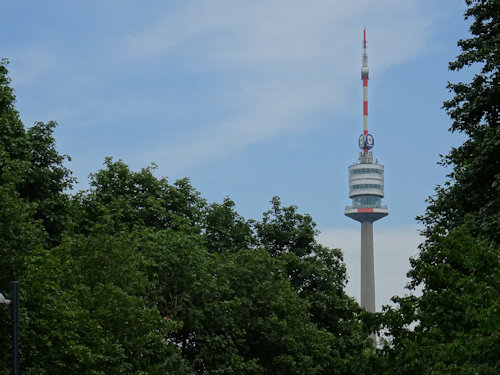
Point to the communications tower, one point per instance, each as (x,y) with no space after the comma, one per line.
(366,189)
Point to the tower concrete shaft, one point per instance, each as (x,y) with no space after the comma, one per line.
(367,267)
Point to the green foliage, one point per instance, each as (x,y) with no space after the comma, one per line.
(46,179)
(454,326)
(318,276)
(139,199)
(84,308)
(177,267)
(225,230)
(474,187)
(226,304)
(83,305)
(252,322)
(20,234)
(13,142)
(30,161)
(284,231)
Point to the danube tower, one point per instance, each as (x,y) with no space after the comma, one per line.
(366,189)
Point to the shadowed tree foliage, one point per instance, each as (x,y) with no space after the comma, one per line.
(85,309)
(252,322)
(318,275)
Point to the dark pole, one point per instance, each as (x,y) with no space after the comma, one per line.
(15,331)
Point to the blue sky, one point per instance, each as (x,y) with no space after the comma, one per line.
(250,99)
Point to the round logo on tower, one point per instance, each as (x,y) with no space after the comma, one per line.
(369,141)
(361,141)
(366,141)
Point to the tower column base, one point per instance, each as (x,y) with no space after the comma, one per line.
(367,267)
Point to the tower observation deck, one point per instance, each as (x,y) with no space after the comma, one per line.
(366,189)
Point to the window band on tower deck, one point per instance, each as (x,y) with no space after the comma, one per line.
(367,170)
(367,186)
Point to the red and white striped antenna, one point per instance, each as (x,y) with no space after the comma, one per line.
(365,140)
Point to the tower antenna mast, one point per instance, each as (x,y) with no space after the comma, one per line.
(365,73)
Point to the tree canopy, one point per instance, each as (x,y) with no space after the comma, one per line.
(137,275)
(454,327)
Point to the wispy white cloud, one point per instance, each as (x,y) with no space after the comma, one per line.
(278,63)
(32,63)
(266,32)
(392,247)
(283,60)
(266,114)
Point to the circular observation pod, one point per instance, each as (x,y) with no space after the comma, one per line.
(366,179)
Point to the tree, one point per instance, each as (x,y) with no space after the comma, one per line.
(41,178)
(46,181)
(474,183)
(252,322)
(138,199)
(84,305)
(18,229)
(318,275)
(453,326)
(21,236)
(84,311)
